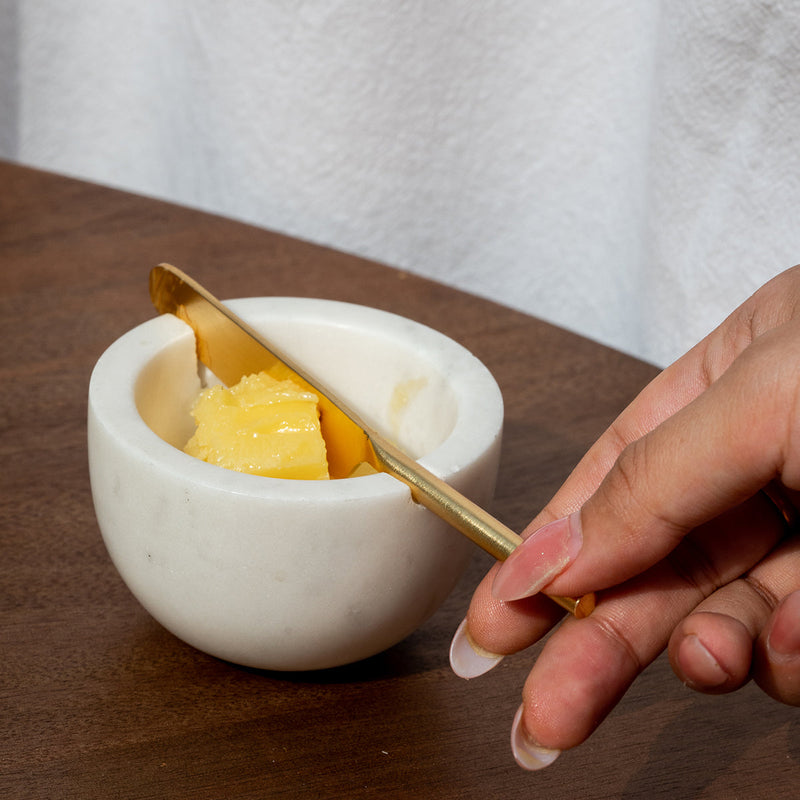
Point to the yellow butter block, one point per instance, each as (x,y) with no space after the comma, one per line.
(261,426)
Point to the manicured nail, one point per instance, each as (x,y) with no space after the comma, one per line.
(707,670)
(540,558)
(527,753)
(467,658)
(784,638)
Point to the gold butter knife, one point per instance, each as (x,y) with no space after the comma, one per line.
(231,349)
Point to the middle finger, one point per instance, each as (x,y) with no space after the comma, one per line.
(588,665)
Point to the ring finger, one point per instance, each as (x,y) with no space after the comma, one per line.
(747,628)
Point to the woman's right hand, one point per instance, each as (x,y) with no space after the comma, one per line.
(667,516)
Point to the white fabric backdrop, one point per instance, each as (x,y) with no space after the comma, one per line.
(626,168)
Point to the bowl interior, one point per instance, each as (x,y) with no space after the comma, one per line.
(410,383)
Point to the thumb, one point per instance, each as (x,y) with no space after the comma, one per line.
(709,456)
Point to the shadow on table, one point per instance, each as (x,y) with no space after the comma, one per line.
(399,661)
(712,740)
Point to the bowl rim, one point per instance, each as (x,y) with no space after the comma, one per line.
(112,404)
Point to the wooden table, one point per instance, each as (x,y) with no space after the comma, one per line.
(98,701)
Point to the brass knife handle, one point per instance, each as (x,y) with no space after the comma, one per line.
(465,516)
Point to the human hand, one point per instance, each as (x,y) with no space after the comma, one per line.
(669,518)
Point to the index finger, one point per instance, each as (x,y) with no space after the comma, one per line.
(675,387)
(709,456)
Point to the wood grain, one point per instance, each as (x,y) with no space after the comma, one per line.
(98,701)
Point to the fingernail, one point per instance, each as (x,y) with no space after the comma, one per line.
(467,658)
(543,555)
(706,670)
(784,638)
(527,753)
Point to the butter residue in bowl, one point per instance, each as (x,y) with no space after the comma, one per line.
(403,394)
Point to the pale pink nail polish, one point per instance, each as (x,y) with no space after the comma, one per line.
(545,554)
(527,753)
(467,658)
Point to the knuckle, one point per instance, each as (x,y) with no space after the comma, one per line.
(761,591)
(632,497)
(613,630)
(695,567)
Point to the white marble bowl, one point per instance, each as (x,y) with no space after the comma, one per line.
(281,574)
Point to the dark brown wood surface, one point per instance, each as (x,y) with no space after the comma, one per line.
(98,701)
